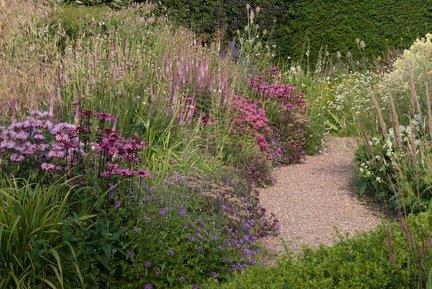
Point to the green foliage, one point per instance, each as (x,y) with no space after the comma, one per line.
(335,25)
(310,25)
(205,17)
(318,93)
(180,237)
(31,219)
(387,258)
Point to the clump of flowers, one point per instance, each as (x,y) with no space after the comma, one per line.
(195,85)
(287,109)
(39,142)
(217,236)
(251,117)
(285,93)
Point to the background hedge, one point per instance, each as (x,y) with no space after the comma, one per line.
(382,24)
(303,25)
(335,24)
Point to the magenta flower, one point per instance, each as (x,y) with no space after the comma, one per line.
(102,116)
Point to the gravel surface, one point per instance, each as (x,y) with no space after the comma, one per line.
(315,201)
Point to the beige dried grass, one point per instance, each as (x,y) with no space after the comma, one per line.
(380,117)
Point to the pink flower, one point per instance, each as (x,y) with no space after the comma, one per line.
(48,167)
(16,158)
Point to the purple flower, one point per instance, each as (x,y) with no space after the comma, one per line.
(148,264)
(191,238)
(148,286)
(16,158)
(131,254)
(117,204)
(47,167)
(214,275)
(102,116)
(163,212)
(182,279)
(195,286)
(171,253)
(182,211)
(143,173)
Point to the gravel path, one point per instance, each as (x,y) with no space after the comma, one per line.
(315,201)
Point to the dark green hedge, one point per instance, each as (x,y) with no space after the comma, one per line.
(206,16)
(331,24)
(382,24)
(378,260)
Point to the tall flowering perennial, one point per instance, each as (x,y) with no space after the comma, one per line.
(194,85)
(285,93)
(251,117)
(116,154)
(117,148)
(291,129)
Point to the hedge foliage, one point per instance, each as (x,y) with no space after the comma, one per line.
(335,24)
(207,16)
(400,259)
(303,25)
(382,24)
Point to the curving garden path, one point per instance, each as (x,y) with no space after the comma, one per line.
(315,201)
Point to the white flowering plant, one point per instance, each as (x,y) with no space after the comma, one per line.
(397,172)
(352,103)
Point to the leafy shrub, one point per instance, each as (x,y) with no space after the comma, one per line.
(387,258)
(210,231)
(295,35)
(206,16)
